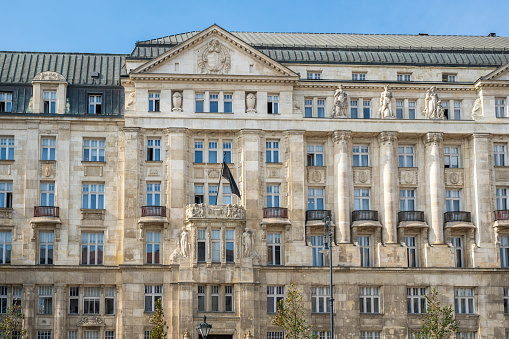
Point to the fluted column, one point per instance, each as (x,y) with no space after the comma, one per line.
(389,172)
(434,184)
(342,183)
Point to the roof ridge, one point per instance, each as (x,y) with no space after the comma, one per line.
(67,53)
(394,34)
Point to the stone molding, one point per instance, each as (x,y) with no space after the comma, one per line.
(362,175)
(91,321)
(214,58)
(502,175)
(454,177)
(50,76)
(316,174)
(194,211)
(408,176)
(388,137)
(342,136)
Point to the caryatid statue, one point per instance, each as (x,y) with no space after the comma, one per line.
(432,107)
(385,109)
(340,103)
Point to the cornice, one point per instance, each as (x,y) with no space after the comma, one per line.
(380,86)
(210,78)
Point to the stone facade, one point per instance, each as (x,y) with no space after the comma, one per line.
(111,211)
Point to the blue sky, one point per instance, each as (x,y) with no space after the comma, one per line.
(113,26)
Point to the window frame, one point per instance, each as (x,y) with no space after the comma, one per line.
(500,108)
(273,195)
(464,304)
(94,145)
(504,250)
(275,293)
(153,193)
(406,156)
(360,152)
(154,101)
(315,155)
(316,198)
(359,76)
(369,300)
(458,244)
(91,302)
(49,101)
(98,249)
(7,148)
(273,104)
(274,249)
(272,151)
(48,148)
(152,293)
(154,148)
(361,196)
(407,199)
(412,250)
(5,247)
(365,248)
(448,157)
(314,107)
(47,246)
(45,298)
(314,75)
(319,259)
(320,296)
(95,104)
(92,196)
(74,300)
(48,195)
(153,241)
(500,154)
(6,194)
(404,77)
(416,300)
(6,102)
(453,200)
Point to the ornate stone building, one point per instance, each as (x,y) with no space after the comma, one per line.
(110,164)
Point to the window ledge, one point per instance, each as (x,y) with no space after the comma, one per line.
(6,162)
(154,161)
(88,162)
(48,161)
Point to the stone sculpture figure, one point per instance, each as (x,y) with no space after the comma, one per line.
(177,102)
(131,100)
(385,109)
(340,103)
(30,108)
(296,107)
(67,106)
(250,103)
(432,107)
(184,243)
(247,243)
(477,110)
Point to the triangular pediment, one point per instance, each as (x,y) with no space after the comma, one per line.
(215,51)
(501,73)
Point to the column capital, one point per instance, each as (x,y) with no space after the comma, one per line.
(388,137)
(434,138)
(342,136)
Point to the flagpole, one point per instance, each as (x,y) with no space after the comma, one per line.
(219,184)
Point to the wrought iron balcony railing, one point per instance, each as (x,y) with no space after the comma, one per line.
(365,215)
(317,214)
(411,216)
(153,211)
(275,212)
(46,211)
(502,215)
(457,216)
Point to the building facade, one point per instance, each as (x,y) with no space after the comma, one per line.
(110,198)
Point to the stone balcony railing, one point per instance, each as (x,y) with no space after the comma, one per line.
(46,211)
(203,211)
(275,212)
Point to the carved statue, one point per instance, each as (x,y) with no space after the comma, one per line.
(250,103)
(177,102)
(296,107)
(184,243)
(67,106)
(214,58)
(385,109)
(247,243)
(131,101)
(30,108)
(340,103)
(477,110)
(432,108)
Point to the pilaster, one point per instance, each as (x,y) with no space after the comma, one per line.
(389,174)
(297,202)
(342,183)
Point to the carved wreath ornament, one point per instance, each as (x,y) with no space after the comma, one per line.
(214,59)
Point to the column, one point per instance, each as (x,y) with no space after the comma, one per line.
(60,310)
(29,308)
(342,183)
(178,176)
(434,184)
(249,180)
(296,196)
(389,174)
(118,311)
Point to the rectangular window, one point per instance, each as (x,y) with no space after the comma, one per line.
(215,244)
(152,294)
(199,102)
(227,152)
(214,103)
(72,335)
(153,101)
(500,154)
(411,250)
(93,196)
(362,199)
(452,200)
(445,106)
(153,247)
(74,300)
(153,149)
(416,300)
(314,108)
(358,76)
(464,300)
(5,247)
(369,299)
(5,194)
(274,295)
(202,244)
(399,110)
(317,246)
(198,152)
(506,300)
(92,300)
(316,198)
(201,298)
(17,296)
(504,251)
(273,197)
(466,335)
(365,249)
(275,335)
(146,334)
(45,300)
(320,299)
(3,300)
(407,200)
(5,102)
(94,104)
(404,77)
(228,103)
(448,77)
(47,194)
(308,108)
(457,111)
(272,151)
(406,156)
(501,198)
(411,109)
(49,102)
(274,249)
(92,245)
(314,75)
(457,244)
(371,335)
(360,155)
(230,245)
(214,298)
(153,194)
(46,248)
(48,148)
(91,334)
(212,152)
(500,111)
(315,155)
(6,148)
(354,109)
(109,335)
(198,194)
(212,194)
(228,298)
(273,104)
(366,109)
(93,149)
(44,334)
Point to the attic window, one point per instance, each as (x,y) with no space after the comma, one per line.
(177,67)
(448,77)
(314,75)
(94,75)
(251,68)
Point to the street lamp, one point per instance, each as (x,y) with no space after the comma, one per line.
(327,245)
(204,328)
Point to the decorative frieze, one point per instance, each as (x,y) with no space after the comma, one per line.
(433,138)
(91,321)
(388,137)
(215,211)
(454,177)
(502,175)
(93,171)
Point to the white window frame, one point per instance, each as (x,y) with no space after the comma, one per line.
(215,245)
(228,99)
(153,193)
(404,77)
(359,76)
(464,300)
(201,243)
(365,248)
(314,107)
(400,109)
(93,196)
(6,102)
(317,242)
(272,151)
(314,75)
(49,102)
(215,298)
(361,196)
(152,293)
(504,251)
(199,151)
(229,245)
(500,108)
(153,149)
(72,334)
(214,98)
(45,294)
(199,98)
(48,148)
(213,148)
(315,155)
(95,104)
(44,334)
(453,201)
(369,300)
(452,157)
(371,334)
(93,243)
(412,109)
(274,295)
(502,198)
(46,247)
(406,156)
(466,335)
(274,246)
(5,247)
(213,194)
(320,299)
(199,193)
(153,246)
(500,154)
(416,300)
(316,197)
(92,300)
(361,153)
(273,104)
(448,77)
(109,334)
(95,148)
(6,194)
(202,298)
(154,101)
(227,154)
(412,250)
(407,199)
(228,298)
(275,335)
(91,334)
(48,193)
(458,244)
(6,148)
(506,300)
(74,299)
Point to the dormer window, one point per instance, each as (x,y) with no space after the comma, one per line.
(50,101)
(95,104)
(5,102)
(314,75)
(448,77)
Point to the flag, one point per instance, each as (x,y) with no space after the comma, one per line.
(225,173)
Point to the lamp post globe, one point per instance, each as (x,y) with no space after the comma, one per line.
(204,328)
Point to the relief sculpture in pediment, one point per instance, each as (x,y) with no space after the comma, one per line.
(214,59)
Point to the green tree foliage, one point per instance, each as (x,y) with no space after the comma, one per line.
(438,322)
(158,332)
(291,315)
(11,324)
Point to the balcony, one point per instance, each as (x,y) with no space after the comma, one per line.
(317,214)
(411,216)
(46,211)
(275,212)
(153,211)
(502,215)
(457,216)
(363,215)
(501,220)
